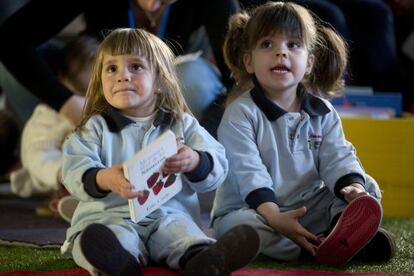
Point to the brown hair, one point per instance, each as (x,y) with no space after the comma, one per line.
(329,49)
(82,49)
(125,41)
(78,54)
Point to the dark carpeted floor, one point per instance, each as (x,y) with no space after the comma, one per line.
(20,224)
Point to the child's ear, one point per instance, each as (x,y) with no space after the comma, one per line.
(309,64)
(248,64)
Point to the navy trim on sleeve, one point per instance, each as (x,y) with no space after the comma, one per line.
(90,185)
(259,196)
(203,169)
(346,180)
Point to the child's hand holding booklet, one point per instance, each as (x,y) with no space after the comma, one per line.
(144,172)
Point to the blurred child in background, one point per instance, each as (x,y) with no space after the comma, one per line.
(43,134)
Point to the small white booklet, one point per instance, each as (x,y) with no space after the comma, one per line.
(144,171)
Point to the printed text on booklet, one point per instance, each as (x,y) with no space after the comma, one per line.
(144,171)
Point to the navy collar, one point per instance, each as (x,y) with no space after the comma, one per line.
(116,121)
(311,104)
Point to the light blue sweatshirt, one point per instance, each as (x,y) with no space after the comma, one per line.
(109,139)
(282,157)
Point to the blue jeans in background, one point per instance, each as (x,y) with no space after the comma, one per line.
(201,84)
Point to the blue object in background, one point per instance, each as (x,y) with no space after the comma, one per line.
(376,99)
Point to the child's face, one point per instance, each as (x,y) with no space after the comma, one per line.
(279,63)
(77,77)
(82,76)
(128,84)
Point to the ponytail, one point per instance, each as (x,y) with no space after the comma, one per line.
(233,51)
(330,52)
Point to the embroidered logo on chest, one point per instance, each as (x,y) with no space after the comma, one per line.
(314,141)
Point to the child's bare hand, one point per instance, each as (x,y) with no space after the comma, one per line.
(112,179)
(353,191)
(185,160)
(289,226)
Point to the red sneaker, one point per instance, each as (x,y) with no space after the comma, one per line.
(357,225)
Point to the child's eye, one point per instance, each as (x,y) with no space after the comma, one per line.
(137,67)
(265,44)
(294,44)
(111,68)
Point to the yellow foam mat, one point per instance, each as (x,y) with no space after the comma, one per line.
(386,150)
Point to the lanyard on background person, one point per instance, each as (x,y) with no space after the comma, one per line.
(163,23)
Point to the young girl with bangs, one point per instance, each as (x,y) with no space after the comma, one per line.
(132,98)
(292,174)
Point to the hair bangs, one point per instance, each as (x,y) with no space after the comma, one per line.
(283,18)
(127,42)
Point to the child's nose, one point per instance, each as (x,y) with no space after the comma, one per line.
(281,53)
(123,79)
(280,50)
(124,75)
